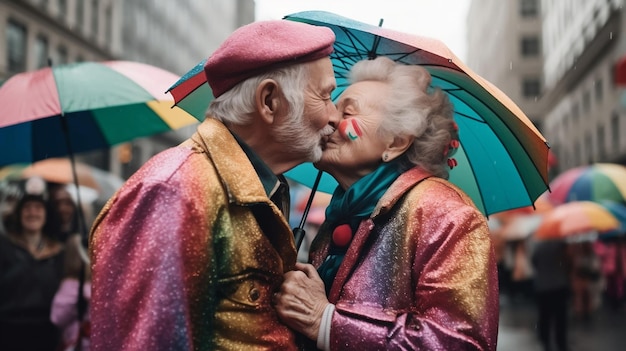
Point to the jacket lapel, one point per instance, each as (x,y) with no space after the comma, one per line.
(406,181)
(242,183)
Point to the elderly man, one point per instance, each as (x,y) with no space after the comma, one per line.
(187,254)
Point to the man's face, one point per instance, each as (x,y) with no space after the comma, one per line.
(319,109)
(356,148)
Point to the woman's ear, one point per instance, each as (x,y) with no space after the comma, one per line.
(397,147)
(267,100)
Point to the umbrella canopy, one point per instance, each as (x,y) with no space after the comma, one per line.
(577,218)
(502,160)
(618,210)
(598,182)
(59,170)
(520,227)
(91,105)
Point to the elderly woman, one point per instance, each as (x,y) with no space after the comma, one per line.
(404,255)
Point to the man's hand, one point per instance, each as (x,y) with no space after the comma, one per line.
(301,300)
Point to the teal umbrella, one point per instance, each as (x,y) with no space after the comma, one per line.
(503,158)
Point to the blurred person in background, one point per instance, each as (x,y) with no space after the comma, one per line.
(70,307)
(187,253)
(404,258)
(66,209)
(612,255)
(10,193)
(552,265)
(586,279)
(31,269)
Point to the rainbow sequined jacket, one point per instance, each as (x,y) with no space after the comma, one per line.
(180,261)
(419,274)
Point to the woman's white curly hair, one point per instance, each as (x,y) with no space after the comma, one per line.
(413,108)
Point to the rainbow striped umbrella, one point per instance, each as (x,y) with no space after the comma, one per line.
(578,218)
(597,182)
(60,110)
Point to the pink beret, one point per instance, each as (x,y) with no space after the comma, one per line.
(261,46)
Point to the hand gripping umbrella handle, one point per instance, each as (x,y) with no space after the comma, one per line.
(299,232)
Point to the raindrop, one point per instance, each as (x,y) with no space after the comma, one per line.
(611,36)
(510,65)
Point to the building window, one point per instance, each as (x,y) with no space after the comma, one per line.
(41,52)
(615,130)
(62,7)
(80,14)
(589,148)
(94,18)
(61,55)
(600,138)
(16,47)
(529,8)
(531,87)
(575,114)
(599,88)
(577,154)
(586,101)
(530,46)
(108,31)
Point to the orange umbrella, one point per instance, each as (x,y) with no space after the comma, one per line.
(59,170)
(576,218)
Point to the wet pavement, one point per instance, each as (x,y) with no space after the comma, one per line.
(605,332)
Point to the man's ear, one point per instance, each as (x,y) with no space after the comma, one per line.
(398,146)
(268,100)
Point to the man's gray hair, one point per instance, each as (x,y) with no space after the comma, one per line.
(237,105)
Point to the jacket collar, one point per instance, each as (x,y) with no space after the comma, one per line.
(238,175)
(404,182)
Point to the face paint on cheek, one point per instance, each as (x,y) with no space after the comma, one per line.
(349,129)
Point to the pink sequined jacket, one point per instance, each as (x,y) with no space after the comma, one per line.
(180,261)
(420,273)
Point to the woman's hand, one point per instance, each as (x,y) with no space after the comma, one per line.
(301,300)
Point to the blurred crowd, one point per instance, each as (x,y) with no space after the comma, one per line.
(44,267)
(596,270)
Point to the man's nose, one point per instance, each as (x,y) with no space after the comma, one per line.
(334,117)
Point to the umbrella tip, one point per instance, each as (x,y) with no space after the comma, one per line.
(380,23)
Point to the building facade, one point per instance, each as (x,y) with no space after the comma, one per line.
(555,59)
(583,40)
(504,47)
(173,35)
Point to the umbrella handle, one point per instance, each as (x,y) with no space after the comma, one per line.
(299,232)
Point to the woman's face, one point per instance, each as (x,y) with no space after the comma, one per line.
(355,149)
(33,216)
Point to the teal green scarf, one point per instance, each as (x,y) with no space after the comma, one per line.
(351,206)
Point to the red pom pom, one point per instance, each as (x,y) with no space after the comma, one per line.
(342,235)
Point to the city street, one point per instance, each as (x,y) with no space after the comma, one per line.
(517,329)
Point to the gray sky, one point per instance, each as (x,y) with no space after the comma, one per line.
(441,19)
